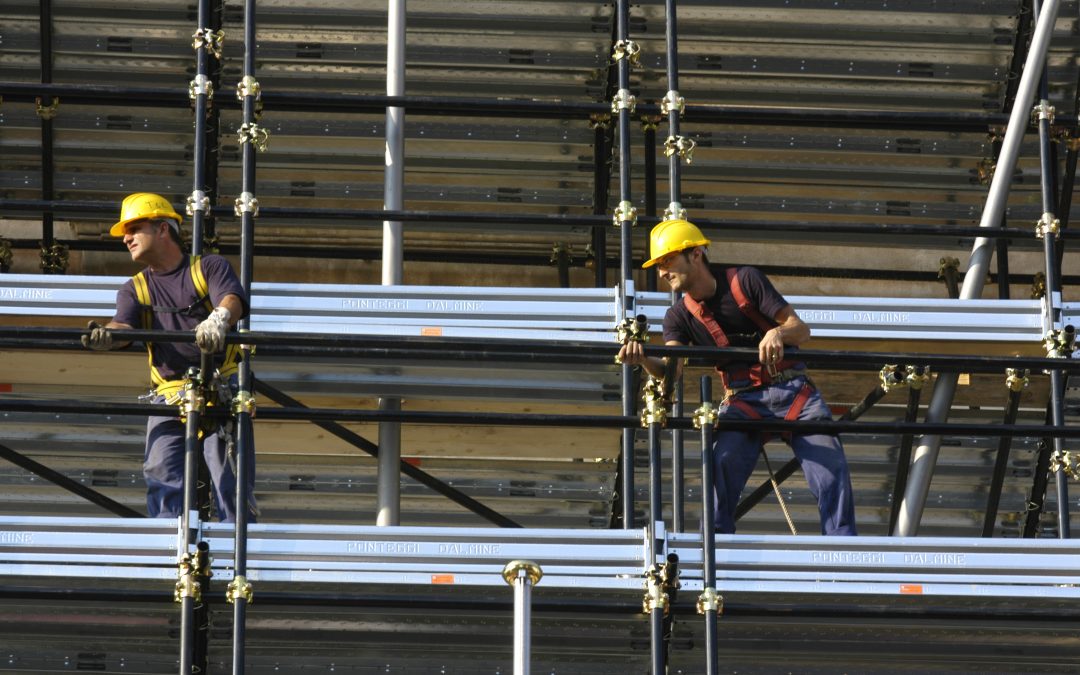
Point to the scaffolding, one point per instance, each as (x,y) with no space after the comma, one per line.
(642,561)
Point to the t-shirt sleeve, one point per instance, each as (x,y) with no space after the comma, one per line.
(222,281)
(761,292)
(675,328)
(127,306)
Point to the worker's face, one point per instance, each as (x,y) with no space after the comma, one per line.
(142,237)
(677,268)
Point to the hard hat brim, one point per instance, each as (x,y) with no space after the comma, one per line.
(117,230)
(690,244)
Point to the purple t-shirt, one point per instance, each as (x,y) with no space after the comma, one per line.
(176,289)
(681,326)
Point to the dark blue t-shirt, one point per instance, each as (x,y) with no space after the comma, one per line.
(175,288)
(681,326)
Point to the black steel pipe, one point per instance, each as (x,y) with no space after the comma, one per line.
(201,101)
(48,172)
(62,481)
(420,476)
(903,458)
(37,337)
(1001,464)
(708,526)
(307,101)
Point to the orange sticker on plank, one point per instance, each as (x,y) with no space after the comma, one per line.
(433,331)
(442,578)
(911,589)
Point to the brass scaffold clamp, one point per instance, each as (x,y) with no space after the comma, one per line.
(706,415)
(1047,225)
(634,329)
(1060,343)
(54,258)
(892,376)
(197,201)
(650,122)
(654,395)
(1043,111)
(917,376)
(672,101)
(656,598)
(46,112)
(248,86)
(6,254)
(187,585)
(1016,379)
(1038,286)
(210,40)
(624,212)
(626,49)
(192,399)
(710,601)
(674,211)
(249,132)
(201,86)
(599,121)
(238,588)
(681,145)
(246,203)
(1063,461)
(623,100)
(243,402)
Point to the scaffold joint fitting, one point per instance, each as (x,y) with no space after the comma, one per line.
(1016,379)
(1060,343)
(187,586)
(710,601)
(682,145)
(246,203)
(655,597)
(6,254)
(650,122)
(54,258)
(672,101)
(624,212)
(192,399)
(623,100)
(705,415)
(654,395)
(1047,225)
(248,86)
(197,201)
(674,211)
(917,376)
(1043,111)
(46,112)
(238,588)
(946,265)
(1062,461)
(211,40)
(892,376)
(514,569)
(249,132)
(201,86)
(560,251)
(626,49)
(599,121)
(243,402)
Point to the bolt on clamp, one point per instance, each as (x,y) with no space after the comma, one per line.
(705,415)
(1047,224)
(46,112)
(632,330)
(984,170)
(892,376)
(917,376)
(201,85)
(559,249)
(244,402)
(1059,343)
(54,258)
(197,201)
(710,601)
(682,145)
(1016,379)
(191,400)
(1042,111)
(1062,461)
(1038,286)
(248,86)
(674,211)
(249,132)
(624,212)
(623,100)
(655,409)
(186,585)
(650,122)
(599,121)
(6,254)
(246,203)
(626,49)
(238,588)
(210,39)
(947,263)
(672,101)
(655,597)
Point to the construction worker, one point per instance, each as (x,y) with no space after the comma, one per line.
(177,292)
(739,307)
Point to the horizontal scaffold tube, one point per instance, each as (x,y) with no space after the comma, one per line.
(543,420)
(307,101)
(360,346)
(83,209)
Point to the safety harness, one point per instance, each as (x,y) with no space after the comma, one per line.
(171,389)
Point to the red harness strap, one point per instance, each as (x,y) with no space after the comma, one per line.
(794,410)
(758,374)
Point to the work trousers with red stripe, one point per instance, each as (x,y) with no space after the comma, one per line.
(821,456)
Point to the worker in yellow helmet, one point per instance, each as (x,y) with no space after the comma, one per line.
(739,307)
(176,292)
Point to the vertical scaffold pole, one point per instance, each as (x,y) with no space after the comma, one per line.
(1058,343)
(925,460)
(522,575)
(252,137)
(46,111)
(654,417)
(201,92)
(622,105)
(389,478)
(188,589)
(1016,381)
(709,602)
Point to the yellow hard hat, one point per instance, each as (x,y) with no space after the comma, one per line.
(673,235)
(144,205)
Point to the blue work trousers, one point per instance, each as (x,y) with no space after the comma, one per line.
(163,468)
(821,456)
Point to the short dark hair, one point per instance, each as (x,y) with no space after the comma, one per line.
(174,231)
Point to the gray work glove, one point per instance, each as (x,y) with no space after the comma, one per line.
(99,338)
(210,334)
